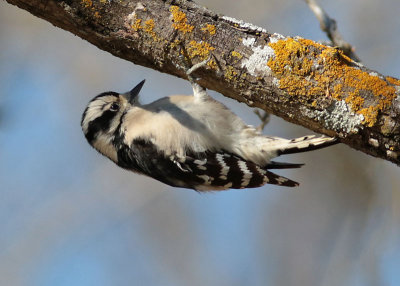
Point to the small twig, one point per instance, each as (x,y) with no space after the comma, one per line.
(329,26)
(264,119)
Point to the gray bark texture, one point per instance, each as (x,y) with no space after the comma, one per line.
(303,82)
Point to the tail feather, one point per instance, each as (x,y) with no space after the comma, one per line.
(282,165)
(275,179)
(306,143)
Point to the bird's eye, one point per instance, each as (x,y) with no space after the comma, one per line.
(114,107)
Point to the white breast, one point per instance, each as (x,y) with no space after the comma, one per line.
(179,123)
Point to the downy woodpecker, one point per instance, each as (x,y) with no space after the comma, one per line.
(190,142)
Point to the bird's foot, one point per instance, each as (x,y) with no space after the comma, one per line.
(264,117)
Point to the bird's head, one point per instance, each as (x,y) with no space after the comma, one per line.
(102,116)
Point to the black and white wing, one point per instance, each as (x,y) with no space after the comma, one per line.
(204,171)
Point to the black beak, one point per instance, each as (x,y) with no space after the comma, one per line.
(131,96)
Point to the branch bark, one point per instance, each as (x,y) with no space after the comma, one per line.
(304,82)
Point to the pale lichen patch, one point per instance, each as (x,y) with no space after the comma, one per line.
(256,64)
(243,25)
(337,116)
(248,42)
(275,37)
(373,142)
(139,6)
(396,103)
(275,81)
(392,154)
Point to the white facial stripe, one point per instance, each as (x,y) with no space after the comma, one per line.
(95,109)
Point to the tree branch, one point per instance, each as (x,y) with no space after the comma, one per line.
(329,26)
(297,79)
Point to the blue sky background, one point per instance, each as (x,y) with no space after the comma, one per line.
(70,217)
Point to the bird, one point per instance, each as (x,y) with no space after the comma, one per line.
(189,141)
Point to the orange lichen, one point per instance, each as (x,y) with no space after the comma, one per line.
(308,69)
(236,55)
(200,49)
(137,25)
(393,80)
(230,73)
(212,64)
(370,114)
(210,29)
(148,27)
(175,43)
(87,3)
(179,20)
(354,100)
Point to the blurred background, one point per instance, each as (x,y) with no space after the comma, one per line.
(68,216)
